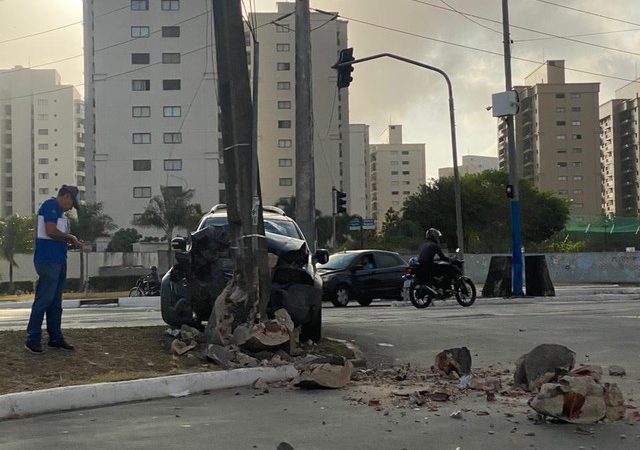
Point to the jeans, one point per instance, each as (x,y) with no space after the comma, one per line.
(48,300)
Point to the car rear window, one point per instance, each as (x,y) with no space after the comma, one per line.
(276,226)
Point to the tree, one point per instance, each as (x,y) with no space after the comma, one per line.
(123,240)
(486,211)
(391,224)
(170,210)
(16,236)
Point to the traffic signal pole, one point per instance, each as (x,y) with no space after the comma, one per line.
(344,79)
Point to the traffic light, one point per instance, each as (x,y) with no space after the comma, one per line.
(510,193)
(344,72)
(341,202)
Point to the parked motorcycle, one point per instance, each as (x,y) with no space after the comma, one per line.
(421,292)
(145,286)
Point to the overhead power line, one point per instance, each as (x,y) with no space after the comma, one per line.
(591,13)
(579,35)
(470,19)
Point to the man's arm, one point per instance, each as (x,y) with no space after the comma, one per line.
(52,231)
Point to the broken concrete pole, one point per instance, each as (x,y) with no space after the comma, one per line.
(456,360)
(324,375)
(592,371)
(543,364)
(220,355)
(188,333)
(571,399)
(267,335)
(180,348)
(614,401)
(245,360)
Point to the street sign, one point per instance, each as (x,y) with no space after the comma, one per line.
(354,225)
(368,224)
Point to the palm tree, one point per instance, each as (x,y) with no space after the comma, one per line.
(16,236)
(173,209)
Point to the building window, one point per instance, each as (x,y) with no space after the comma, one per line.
(576,136)
(285,181)
(577,192)
(576,150)
(559,95)
(575,95)
(43,176)
(140,58)
(43,132)
(562,178)
(171,31)
(170,5)
(575,123)
(577,178)
(576,164)
(282,28)
(140,85)
(43,146)
(172,165)
(560,123)
(576,109)
(171,85)
(394,172)
(284,143)
(406,192)
(281,66)
(563,192)
(405,163)
(560,109)
(405,152)
(394,163)
(283,47)
(561,150)
(406,172)
(141,165)
(171,58)
(284,124)
(284,104)
(43,102)
(140,111)
(139,32)
(142,138)
(43,117)
(43,191)
(285,162)
(395,192)
(561,137)
(139,5)
(172,138)
(561,164)
(43,161)
(142,192)
(577,205)
(172,111)
(284,85)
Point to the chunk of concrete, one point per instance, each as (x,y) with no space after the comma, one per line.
(543,364)
(571,399)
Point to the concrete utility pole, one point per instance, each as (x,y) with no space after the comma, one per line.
(305,172)
(516,241)
(237,135)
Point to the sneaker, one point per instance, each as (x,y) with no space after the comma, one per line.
(62,344)
(33,347)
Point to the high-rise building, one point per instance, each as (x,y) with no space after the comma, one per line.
(619,152)
(396,170)
(357,184)
(41,138)
(558,137)
(151,103)
(277,105)
(471,164)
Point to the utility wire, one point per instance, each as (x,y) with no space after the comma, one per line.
(470,19)
(591,13)
(578,35)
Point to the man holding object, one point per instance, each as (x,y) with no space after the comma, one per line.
(50,261)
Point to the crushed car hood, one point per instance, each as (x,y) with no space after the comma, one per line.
(286,248)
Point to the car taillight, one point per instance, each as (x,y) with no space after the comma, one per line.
(409,270)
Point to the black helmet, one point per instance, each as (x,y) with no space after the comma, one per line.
(433,234)
(154,268)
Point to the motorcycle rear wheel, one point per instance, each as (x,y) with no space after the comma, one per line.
(420,299)
(465,292)
(136,292)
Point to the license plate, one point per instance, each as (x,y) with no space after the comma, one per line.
(406,284)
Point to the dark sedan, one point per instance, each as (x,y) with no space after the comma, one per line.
(362,275)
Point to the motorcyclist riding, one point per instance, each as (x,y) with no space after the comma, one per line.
(430,266)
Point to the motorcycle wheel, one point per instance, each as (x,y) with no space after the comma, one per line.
(465,292)
(136,292)
(420,298)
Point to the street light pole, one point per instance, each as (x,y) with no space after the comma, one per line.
(516,241)
(452,121)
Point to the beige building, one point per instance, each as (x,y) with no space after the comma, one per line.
(41,138)
(277,106)
(471,164)
(357,184)
(396,170)
(558,137)
(151,100)
(619,152)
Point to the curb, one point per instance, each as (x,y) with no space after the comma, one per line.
(102,394)
(133,302)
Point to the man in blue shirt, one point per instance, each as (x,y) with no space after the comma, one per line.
(50,261)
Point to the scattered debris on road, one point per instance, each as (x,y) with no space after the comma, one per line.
(543,364)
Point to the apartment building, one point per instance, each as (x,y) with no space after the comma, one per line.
(558,137)
(396,170)
(41,138)
(277,105)
(151,100)
(357,183)
(471,164)
(619,152)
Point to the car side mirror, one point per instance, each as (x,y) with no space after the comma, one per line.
(321,256)
(179,244)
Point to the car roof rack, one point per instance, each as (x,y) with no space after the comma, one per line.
(272,209)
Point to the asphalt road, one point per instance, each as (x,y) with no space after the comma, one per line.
(600,329)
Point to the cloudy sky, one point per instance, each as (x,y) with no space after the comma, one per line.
(462,37)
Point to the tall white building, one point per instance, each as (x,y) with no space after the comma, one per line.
(396,170)
(41,138)
(471,164)
(357,185)
(277,106)
(152,109)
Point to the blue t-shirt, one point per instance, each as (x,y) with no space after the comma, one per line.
(49,250)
